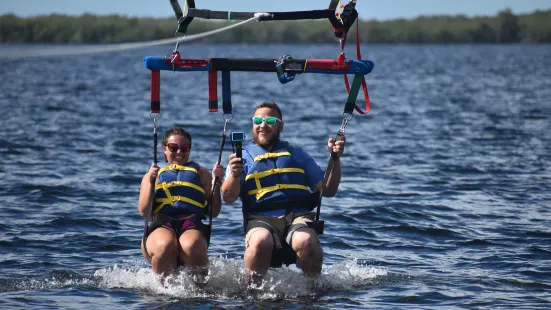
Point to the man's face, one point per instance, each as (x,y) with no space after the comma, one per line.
(264,134)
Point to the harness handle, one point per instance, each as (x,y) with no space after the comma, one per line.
(339,137)
(346,117)
(227,123)
(155,115)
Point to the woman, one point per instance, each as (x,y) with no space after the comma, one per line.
(176,196)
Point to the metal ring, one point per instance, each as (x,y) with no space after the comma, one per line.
(347,116)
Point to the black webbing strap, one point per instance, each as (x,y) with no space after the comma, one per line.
(306,202)
(226,92)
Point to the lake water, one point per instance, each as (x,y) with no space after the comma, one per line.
(444,201)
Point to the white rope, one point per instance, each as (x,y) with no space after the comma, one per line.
(80,50)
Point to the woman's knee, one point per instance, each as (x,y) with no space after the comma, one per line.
(161,243)
(193,243)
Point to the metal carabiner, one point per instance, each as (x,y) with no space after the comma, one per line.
(226,122)
(346,117)
(155,116)
(176,54)
(342,42)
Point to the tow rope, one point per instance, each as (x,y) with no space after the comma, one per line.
(77,50)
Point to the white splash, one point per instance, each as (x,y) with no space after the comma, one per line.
(227,279)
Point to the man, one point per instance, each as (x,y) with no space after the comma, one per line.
(279,186)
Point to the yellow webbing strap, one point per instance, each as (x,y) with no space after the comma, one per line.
(191,201)
(166,186)
(271,155)
(259,175)
(177,167)
(263,191)
(163,201)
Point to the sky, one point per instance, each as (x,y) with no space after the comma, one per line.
(367,9)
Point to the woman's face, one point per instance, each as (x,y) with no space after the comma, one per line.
(177,150)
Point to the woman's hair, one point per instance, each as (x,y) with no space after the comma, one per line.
(176,132)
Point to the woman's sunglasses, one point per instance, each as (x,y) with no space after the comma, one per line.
(173,147)
(257,120)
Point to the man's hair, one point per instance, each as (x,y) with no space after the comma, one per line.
(176,132)
(271,105)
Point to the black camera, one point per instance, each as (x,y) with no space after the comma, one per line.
(237,138)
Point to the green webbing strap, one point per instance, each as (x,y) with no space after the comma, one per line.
(353,95)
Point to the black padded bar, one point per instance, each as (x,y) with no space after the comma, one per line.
(298,15)
(208,14)
(255,65)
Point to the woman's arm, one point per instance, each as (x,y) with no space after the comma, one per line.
(147,189)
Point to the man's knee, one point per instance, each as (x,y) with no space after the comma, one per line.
(259,239)
(305,241)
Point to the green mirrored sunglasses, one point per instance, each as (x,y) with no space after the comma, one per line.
(257,120)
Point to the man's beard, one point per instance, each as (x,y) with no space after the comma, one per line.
(270,142)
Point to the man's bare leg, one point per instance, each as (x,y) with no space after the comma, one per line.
(258,254)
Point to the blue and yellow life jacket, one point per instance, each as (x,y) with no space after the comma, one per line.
(274,179)
(179,191)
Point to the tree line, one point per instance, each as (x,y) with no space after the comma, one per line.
(504,27)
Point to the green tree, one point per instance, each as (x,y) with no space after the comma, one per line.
(508,27)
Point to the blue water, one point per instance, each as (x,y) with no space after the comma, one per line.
(444,201)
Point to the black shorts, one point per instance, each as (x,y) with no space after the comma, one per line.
(179,224)
(282,230)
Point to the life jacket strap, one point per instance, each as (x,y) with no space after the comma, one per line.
(166,186)
(271,155)
(260,192)
(178,167)
(259,175)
